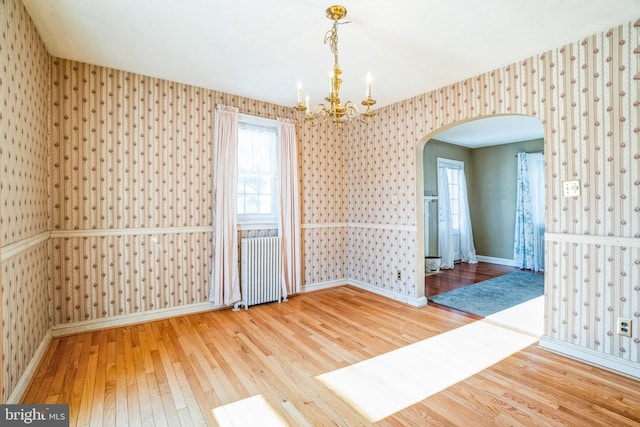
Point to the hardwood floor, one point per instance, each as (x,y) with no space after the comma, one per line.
(463,274)
(175,371)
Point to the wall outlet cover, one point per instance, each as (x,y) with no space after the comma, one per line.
(571,188)
(624,327)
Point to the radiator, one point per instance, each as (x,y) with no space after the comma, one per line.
(260,273)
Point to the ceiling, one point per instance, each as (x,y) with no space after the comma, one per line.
(261,48)
(496,130)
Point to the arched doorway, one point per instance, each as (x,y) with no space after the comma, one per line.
(488,148)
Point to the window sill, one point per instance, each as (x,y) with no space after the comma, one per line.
(257,225)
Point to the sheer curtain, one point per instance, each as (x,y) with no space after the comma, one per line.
(467,248)
(225,278)
(289,215)
(528,252)
(454,224)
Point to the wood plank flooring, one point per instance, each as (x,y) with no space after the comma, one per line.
(175,371)
(463,274)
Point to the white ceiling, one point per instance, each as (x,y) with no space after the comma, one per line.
(495,130)
(262,48)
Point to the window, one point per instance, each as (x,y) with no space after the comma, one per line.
(257,192)
(454,195)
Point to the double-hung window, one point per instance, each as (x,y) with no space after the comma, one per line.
(257,192)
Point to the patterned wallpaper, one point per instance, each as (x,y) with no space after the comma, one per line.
(24,87)
(323,167)
(586,95)
(131,154)
(101,276)
(129,151)
(26,300)
(23,93)
(323,174)
(589,286)
(329,244)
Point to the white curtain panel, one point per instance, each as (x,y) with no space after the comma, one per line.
(225,278)
(467,248)
(446,234)
(289,215)
(445,229)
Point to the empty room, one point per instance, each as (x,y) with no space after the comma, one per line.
(200,226)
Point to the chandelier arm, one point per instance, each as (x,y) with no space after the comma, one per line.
(319,108)
(352,105)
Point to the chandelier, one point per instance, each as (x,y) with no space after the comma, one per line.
(335,111)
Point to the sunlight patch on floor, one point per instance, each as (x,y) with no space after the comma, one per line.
(527,317)
(386,384)
(250,412)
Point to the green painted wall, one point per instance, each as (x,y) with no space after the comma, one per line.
(494,196)
(491,182)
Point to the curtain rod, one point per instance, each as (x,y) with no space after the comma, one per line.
(533,152)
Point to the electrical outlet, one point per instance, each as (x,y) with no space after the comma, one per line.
(398,274)
(571,188)
(624,327)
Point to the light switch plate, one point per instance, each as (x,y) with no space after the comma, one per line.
(571,188)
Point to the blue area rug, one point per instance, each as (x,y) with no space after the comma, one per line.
(493,295)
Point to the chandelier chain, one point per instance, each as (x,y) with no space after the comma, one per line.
(331,37)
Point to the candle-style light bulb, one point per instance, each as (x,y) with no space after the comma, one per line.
(369,80)
(299,93)
(307,99)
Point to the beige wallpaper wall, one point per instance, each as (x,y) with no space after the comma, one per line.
(24,88)
(323,165)
(133,192)
(26,301)
(586,94)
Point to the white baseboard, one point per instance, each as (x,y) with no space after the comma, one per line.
(131,319)
(592,357)
(322,285)
(416,302)
(30,371)
(493,260)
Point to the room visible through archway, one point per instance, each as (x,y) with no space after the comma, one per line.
(487,150)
